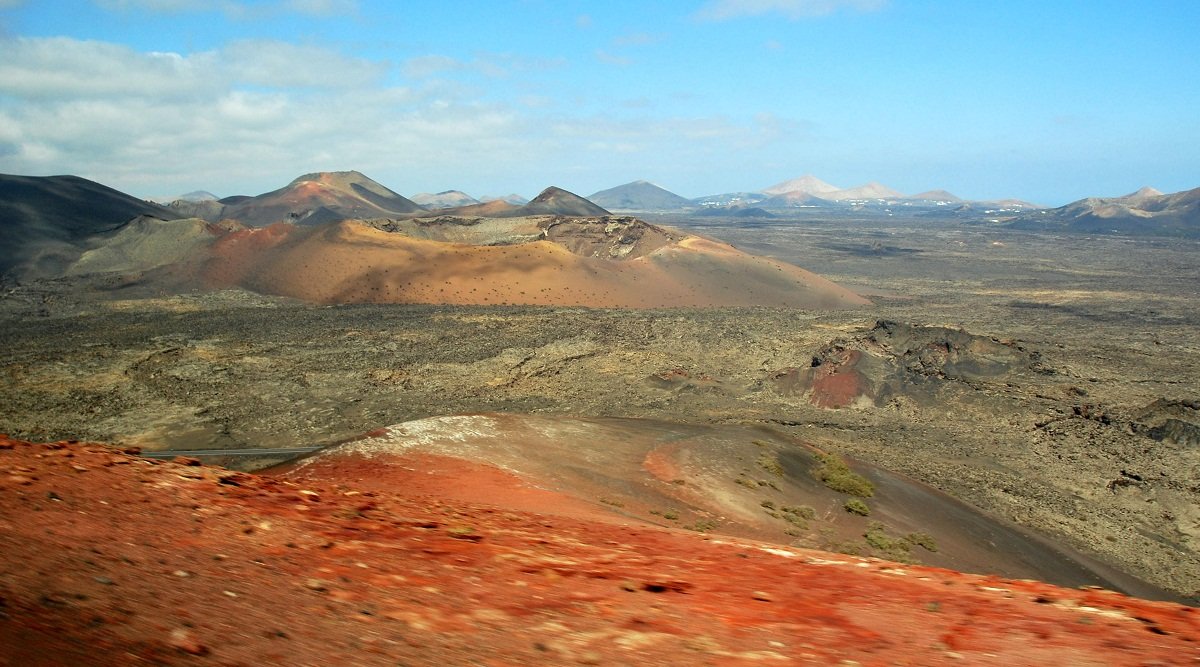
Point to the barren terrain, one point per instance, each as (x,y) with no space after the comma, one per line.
(1087,440)
(140,562)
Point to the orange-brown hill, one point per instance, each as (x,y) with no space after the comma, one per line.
(596,262)
(108,559)
(318,198)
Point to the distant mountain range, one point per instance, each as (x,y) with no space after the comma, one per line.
(339,237)
(446,199)
(804,192)
(1145,212)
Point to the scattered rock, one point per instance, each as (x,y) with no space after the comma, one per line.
(183,640)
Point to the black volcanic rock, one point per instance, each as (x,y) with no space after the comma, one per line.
(46,220)
(639,196)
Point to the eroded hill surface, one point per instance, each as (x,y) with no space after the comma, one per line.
(729,480)
(110,559)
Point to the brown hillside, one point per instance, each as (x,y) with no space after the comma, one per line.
(353,262)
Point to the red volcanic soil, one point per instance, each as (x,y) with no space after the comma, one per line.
(109,559)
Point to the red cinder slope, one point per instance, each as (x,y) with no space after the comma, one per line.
(108,559)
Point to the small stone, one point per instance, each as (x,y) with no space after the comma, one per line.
(104,580)
(182,573)
(78,468)
(132,451)
(311,496)
(23,480)
(315,585)
(186,461)
(185,641)
(761,596)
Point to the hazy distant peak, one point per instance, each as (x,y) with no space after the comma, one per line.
(872,190)
(1146,191)
(639,196)
(444,199)
(936,195)
(807,183)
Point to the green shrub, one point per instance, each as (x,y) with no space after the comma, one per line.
(856,506)
(835,474)
(768,462)
(802,511)
(923,540)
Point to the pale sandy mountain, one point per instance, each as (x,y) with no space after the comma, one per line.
(872,190)
(553,260)
(318,198)
(1143,193)
(512,198)
(47,220)
(444,199)
(639,196)
(807,183)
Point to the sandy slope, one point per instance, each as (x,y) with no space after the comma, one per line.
(107,559)
(354,262)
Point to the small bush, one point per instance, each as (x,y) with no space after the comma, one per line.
(747,482)
(802,511)
(895,548)
(769,504)
(702,525)
(856,506)
(670,515)
(836,475)
(610,501)
(923,540)
(768,462)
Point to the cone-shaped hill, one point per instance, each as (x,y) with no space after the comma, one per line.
(318,198)
(639,196)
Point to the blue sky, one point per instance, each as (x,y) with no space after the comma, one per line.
(1044,101)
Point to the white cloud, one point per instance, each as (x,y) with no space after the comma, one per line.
(249,117)
(721,10)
